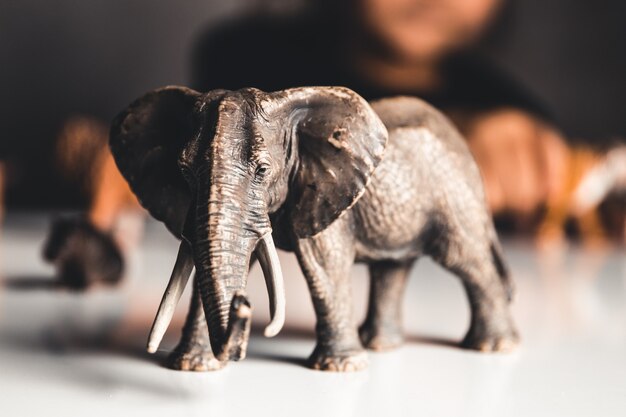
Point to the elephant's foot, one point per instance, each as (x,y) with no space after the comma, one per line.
(484,340)
(380,338)
(195,360)
(325,359)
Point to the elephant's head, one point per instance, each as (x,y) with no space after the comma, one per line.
(213,167)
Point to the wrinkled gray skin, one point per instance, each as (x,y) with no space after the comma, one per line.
(316,166)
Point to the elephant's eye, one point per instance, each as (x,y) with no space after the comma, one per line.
(261,170)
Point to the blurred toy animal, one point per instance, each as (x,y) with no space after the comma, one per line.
(323,174)
(82,254)
(85,249)
(588,177)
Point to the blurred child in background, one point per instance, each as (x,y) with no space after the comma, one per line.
(380,48)
(423,48)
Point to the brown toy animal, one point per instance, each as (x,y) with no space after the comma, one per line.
(86,250)
(82,254)
(317,171)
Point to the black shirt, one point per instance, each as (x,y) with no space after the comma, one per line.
(272,55)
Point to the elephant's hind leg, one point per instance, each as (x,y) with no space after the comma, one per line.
(491,326)
(193,352)
(382,329)
(326,261)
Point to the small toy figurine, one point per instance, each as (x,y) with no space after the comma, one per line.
(606,180)
(82,254)
(90,249)
(589,177)
(316,171)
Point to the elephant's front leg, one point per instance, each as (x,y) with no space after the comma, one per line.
(326,261)
(193,352)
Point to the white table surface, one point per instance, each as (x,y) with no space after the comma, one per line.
(83,354)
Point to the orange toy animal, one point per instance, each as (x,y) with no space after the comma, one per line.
(91,248)
(588,177)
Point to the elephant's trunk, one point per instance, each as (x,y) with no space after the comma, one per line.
(222,261)
(233,341)
(225,238)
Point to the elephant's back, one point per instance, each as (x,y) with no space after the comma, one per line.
(402,114)
(427,172)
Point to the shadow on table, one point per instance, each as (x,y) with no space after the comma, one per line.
(69,366)
(31,283)
(291,333)
(433,340)
(64,338)
(51,283)
(287,334)
(60,341)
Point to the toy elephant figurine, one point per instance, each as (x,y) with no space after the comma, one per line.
(323,174)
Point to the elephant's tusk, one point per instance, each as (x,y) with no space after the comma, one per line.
(268,258)
(180,275)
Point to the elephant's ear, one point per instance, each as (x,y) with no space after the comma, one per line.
(341,140)
(147,140)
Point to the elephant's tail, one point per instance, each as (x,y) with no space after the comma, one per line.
(501,267)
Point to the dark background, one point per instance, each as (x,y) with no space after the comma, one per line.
(64,57)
